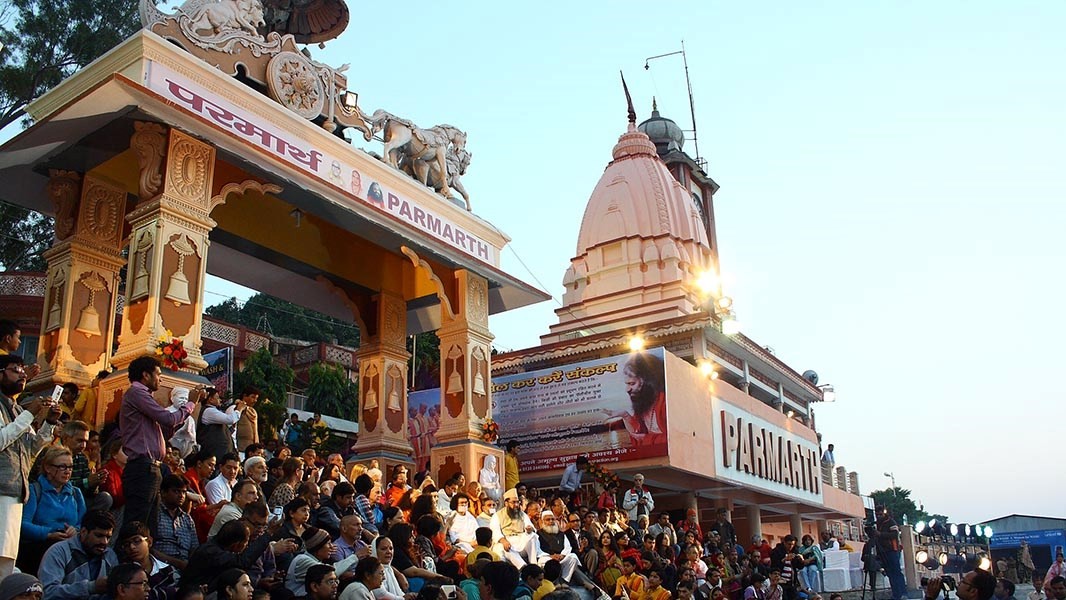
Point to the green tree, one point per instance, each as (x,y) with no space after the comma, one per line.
(285,319)
(426,360)
(898,501)
(331,392)
(273,380)
(46,42)
(25,235)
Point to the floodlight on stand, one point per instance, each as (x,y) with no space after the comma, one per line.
(942,558)
(921,556)
(636,343)
(350,101)
(919,527)
(730,325)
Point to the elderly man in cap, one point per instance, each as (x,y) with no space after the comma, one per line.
(318,549)
(513,535)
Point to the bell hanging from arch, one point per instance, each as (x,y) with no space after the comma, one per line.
(140,282)
(55,315)
(88,321)
(178,289)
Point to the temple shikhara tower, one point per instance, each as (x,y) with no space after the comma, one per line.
(645,372)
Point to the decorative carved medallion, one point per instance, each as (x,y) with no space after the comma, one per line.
(478,300)
(393,325)
(100,212)
(188,168)
(295,82)
(149,142)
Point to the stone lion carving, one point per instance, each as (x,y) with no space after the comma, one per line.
(416,150)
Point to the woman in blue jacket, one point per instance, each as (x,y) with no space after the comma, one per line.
(55,508)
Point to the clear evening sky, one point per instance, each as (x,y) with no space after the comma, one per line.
(892,189)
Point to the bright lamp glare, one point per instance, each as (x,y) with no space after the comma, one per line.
(730,326)
(706,368)
(725,303)
(636,343)
(966,529)
(918,528)
(954,529)
(984,564)
(932,523)
(942,558)
(988,531)
(921,556)
(707,282)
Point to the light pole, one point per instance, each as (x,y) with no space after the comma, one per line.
(893,478)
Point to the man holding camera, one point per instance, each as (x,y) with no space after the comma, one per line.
(975,585)
(889,549)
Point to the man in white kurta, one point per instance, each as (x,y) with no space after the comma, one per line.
(513,535)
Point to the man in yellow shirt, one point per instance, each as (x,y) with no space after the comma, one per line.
(631,584)
(510,465)
(655,589)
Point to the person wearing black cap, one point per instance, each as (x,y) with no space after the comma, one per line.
(21,586)
(22,433)
(318,548)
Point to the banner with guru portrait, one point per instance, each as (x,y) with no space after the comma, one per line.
(611,409)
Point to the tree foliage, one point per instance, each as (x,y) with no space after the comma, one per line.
(426,359)
(331,392)
(285,319)
(898,501)
(273,380)
(25,236)
(47,41)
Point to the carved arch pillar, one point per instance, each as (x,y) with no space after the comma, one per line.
(466,384)
(78,319)
(382,403)
(167,258)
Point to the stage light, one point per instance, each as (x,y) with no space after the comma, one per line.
(988,532)
(942,558)
(921,556)
(791,413)
(636,343)
(984,563)
(954,529)
(932,523)
(919,527)
(966,529)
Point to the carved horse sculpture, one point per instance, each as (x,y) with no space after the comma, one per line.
(417,148)
(458,159)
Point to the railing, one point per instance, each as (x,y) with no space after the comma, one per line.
(17,283)
(841,479)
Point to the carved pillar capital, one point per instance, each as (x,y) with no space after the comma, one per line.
(149,143)
(64,189)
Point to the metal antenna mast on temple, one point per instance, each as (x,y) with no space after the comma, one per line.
(691,103)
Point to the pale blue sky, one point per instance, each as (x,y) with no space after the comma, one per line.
(892,188)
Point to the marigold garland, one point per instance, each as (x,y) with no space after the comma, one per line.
(490,431)
(603,476)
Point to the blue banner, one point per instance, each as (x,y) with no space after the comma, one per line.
(219,370)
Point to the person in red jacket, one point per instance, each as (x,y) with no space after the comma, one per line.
(113,468)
